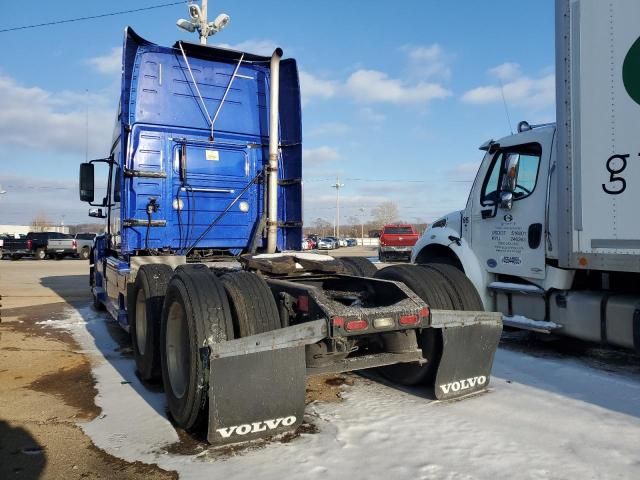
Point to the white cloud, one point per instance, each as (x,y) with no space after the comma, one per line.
(110,63)
(314,87)
(370,115)
(519,89)
(258,47)
(35,118)
(318,156)
(28,196)
(429,60)
(376,86)
(507,71)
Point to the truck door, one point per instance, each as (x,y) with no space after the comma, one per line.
(509,237)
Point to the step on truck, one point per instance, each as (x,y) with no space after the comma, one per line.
(200,261)
(550,234)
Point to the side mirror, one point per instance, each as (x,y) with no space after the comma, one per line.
(510,178)
(506,200)
(86,182)
(97,213)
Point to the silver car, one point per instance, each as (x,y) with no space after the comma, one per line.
(326,244)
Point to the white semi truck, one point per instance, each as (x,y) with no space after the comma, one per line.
(550,235)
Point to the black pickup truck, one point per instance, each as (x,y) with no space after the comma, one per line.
(16,248)
(36,245)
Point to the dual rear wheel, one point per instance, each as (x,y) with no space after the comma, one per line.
(198,308)
(442,287)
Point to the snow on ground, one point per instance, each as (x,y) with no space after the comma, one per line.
(542,418)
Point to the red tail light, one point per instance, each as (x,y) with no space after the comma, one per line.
(408,320)
(355,325)
(338,322)
(29,244)
(303,303)
(424,312)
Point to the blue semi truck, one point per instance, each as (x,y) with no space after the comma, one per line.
(200,261)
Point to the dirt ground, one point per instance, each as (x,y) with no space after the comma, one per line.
(46,387)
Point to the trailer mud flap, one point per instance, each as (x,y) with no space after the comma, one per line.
(256,395)
(469,343)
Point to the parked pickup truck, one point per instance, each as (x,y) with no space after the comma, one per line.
(397,241)
(84,243)
(56,245)
(16,248)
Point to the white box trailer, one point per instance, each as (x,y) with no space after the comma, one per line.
(598,114)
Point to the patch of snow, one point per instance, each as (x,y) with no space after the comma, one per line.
(543,418)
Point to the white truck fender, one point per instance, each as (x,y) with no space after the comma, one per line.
(437,240)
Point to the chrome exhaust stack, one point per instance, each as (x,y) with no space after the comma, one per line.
(272,169)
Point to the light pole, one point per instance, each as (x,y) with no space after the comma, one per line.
(336,225)
(199,22)
(362,225)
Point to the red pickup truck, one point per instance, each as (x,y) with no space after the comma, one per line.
(397,241)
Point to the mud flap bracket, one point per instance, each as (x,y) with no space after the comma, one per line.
(469,343)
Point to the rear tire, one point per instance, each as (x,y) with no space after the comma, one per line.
(359,266)
(253,307)
(16,257)
(145,311)
(428,286)
(84,253)
(41,254)
(195,313)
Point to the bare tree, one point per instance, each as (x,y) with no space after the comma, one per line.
(385,213)
(322,226)
(41,223)
(354,226)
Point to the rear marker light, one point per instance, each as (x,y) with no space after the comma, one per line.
(338,322)
(355,325)
(424,312)
(383,322)
(408,320)
(303,304)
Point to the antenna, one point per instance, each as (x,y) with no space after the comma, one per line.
(506,108)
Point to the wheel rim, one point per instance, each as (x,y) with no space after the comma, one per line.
(41,254)
(177,349)
(141,322)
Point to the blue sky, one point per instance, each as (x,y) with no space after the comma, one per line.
(397,96)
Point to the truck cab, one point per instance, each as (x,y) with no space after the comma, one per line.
(506,229)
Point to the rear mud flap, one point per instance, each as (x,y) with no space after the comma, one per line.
(469,343)
(256,395)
